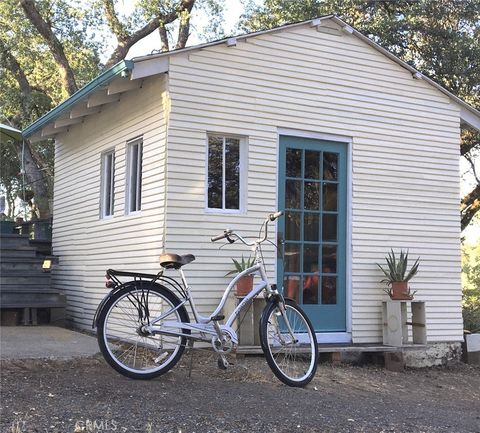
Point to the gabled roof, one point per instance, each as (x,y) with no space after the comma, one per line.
(127,75)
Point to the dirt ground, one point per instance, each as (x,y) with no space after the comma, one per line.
(88,396)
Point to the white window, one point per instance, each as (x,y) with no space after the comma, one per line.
(134,175)
(224,173)
(107,184)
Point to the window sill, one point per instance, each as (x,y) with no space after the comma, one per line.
(134,213)
(107,217)
(224,211)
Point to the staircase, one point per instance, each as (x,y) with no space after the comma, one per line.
(23,283)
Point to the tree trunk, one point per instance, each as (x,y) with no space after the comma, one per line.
(470,205)
(66,74)
(37,180)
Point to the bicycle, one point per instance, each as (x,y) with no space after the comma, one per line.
(143,325)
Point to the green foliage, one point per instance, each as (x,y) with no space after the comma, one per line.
(9,175)
(71,24)
(241,266)
(471,287)
(396,270)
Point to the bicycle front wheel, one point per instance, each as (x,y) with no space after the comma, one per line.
(293,359)
(122,337)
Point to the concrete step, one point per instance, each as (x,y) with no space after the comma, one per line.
(21,252)
(25,264)
(14,241)
(24,279)
(33,300)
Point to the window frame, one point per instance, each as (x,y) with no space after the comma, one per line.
(243,163)
(103,184)
(138,141)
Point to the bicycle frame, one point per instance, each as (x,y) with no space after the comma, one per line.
(204,324)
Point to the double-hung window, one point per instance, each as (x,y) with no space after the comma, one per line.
(224,177)
(107,198)
(134,175)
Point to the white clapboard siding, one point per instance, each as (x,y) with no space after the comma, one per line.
(405,177)
(86,244)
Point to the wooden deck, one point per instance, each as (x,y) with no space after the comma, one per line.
(339,348)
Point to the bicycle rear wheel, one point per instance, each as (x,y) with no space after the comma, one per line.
(292,360)
(123,342)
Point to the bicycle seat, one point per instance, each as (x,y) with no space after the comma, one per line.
(174,261)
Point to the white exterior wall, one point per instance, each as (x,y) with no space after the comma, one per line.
(86,244)
(405,171)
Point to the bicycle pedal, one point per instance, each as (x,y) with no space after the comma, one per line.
(217,318)
(223,364)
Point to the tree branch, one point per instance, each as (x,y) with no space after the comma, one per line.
(56,48)
(162,30)
(184,27)
(11,63)
(117,28)
(124,45)
(469,206)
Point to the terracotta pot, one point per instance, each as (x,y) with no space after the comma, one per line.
(291,288)
(244,285)
(400,291)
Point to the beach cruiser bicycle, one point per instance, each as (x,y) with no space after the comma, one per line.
(143,326)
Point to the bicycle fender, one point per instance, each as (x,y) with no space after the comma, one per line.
(100,307)
(105,300)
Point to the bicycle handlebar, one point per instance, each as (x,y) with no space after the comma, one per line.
(222,236)
(275,215)
(228,233)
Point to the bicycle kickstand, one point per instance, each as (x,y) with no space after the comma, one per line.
(190,348)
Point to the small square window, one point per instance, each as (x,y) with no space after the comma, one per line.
(134,176)
(224,177)
(107,198)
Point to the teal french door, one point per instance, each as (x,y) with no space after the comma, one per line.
(312,191)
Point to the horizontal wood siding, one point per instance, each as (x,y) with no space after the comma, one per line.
(405,160)
(86,244)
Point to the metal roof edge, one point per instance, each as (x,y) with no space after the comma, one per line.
(224,40)
(79,94)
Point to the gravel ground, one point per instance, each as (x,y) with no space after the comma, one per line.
(88,396)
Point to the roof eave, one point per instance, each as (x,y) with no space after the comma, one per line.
(103,78)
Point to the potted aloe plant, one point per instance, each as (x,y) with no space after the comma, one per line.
(397,277)
(244,284)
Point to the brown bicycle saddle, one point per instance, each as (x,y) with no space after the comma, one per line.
(174,261)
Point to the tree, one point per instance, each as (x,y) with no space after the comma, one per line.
(471,287)
(439,37)
(51,48)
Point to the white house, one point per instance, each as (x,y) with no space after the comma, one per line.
(164,151)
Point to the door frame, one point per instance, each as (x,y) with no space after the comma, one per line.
(330,337)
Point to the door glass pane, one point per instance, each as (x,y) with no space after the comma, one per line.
(329,228)
(292,226)
(310,289)
(329,290)
(312,164)
(329,259)
(232,173)
(215,161)
(311,226)
(292,258)
(330,166)
(311,195)
(310,258)
(291,287)
(330,196)
(292,194)
(294,162)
